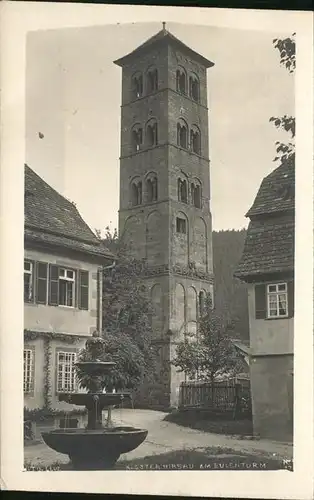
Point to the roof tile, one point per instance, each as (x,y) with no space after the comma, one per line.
(269,244)
(269,247)
(276,193)
(51,218)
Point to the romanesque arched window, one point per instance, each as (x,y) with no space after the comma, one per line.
(151,80)
(182,190)
(137,85)
(136,192)
(181,80)
(152,133)
(152,188)
(195,140)
(196,194)
(194,88)
(201,302)
(136,138)
(182,134)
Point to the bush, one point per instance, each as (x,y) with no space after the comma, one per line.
(42,414)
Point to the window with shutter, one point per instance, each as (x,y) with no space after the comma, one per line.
(53,285)
(66,287)
(277,300)
(83,290)
(260,301)
(291,299)
(41,282)
(28,281)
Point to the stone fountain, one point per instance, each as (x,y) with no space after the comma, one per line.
(98,445)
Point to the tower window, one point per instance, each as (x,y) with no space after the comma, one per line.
(137,85)
(195,140)
(181,82)
(182,134)
(182,191)
(137,138)
(194,88)
(136,193)
(152,189)
(181,225)
(201,299)
(196,195)
(152,134)
(152,81)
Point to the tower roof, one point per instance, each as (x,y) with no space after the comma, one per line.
(163,36)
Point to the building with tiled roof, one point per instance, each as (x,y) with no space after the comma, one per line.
(49,218)
(267,266)
(63,262)
(269,245)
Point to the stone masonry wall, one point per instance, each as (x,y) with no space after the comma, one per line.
(150,228)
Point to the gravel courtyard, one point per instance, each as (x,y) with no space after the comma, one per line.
(167,438)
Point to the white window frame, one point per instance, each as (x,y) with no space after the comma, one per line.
(67,280)
(276,293)
(66,373)
(29,272)
(28,377)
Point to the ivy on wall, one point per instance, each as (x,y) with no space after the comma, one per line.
(47,373)
(48,337)
(63,337)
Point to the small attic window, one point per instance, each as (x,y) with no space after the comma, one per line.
(58,220)
(286,193)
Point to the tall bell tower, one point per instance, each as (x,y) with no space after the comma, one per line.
(164,215)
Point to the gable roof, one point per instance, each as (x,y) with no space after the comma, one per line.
(269,243)
(52,219)
(268,248)
(162,37)
(276,193)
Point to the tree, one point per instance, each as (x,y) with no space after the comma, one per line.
(229,292)
(286,49)
(126,320)
(210,352)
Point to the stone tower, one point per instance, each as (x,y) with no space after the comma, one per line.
(164,214)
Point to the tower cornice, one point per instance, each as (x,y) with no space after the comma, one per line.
(166,144)
(189,272)
(159,91)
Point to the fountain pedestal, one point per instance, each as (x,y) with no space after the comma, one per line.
(97,446)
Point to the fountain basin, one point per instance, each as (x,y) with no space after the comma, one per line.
(94,449)
(86,398)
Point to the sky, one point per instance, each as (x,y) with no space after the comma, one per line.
(73,98)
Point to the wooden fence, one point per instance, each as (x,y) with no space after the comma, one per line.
(217,397)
